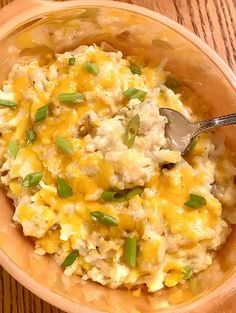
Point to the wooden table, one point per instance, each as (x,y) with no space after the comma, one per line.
(212,20)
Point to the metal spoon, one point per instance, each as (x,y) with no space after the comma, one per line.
(180,132)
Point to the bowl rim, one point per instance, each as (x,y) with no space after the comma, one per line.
(21,276)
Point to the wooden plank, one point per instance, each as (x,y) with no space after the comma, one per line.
(212,20)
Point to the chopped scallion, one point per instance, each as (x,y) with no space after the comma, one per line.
(103,218)
(31,135)
(134,192)
(32,180)
(70,259)
(134,93)
(110,195)
(64,190)
(135,69)
(187,272)
(120,196)
(6,103)
(64,145)
(172,83)
(91,67)
(71,61)
(131,251)
(195,201)
(13,148)
(131,131)
(42,113)
(193,144)
(71,98)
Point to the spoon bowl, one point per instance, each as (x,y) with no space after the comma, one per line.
(180,132)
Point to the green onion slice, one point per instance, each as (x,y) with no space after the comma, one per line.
(71,61)
(188,273)
(103,218)
(6,103)
(120,196)
(64,145)
(42,113)
(134,192)
(71,98)
(31,135)
(195,201)
(70,259)
(131,131)
(64,190)
(134,93)
(110,195)
(131,251)
(135,69)
(172,83)
(193,144)
(91,67)
(32,179)
(13,148)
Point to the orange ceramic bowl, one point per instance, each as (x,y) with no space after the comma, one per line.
(29,27)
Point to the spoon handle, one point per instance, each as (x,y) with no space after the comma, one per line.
(220,121)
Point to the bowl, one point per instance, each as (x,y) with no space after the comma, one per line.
(40,28)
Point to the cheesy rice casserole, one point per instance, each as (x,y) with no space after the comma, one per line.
(84,157)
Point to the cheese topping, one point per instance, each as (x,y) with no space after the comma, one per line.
(94,191)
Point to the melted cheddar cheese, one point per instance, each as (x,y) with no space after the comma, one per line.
(150,201)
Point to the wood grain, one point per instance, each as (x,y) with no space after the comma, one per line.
(214,21)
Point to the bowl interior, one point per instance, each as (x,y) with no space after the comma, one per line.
(132,33)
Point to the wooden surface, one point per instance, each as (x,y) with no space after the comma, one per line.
(212,20)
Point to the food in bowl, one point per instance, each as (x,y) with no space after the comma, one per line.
(85,159)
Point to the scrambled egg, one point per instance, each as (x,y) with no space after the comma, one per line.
(84,157)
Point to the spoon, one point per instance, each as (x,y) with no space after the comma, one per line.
(180,132)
